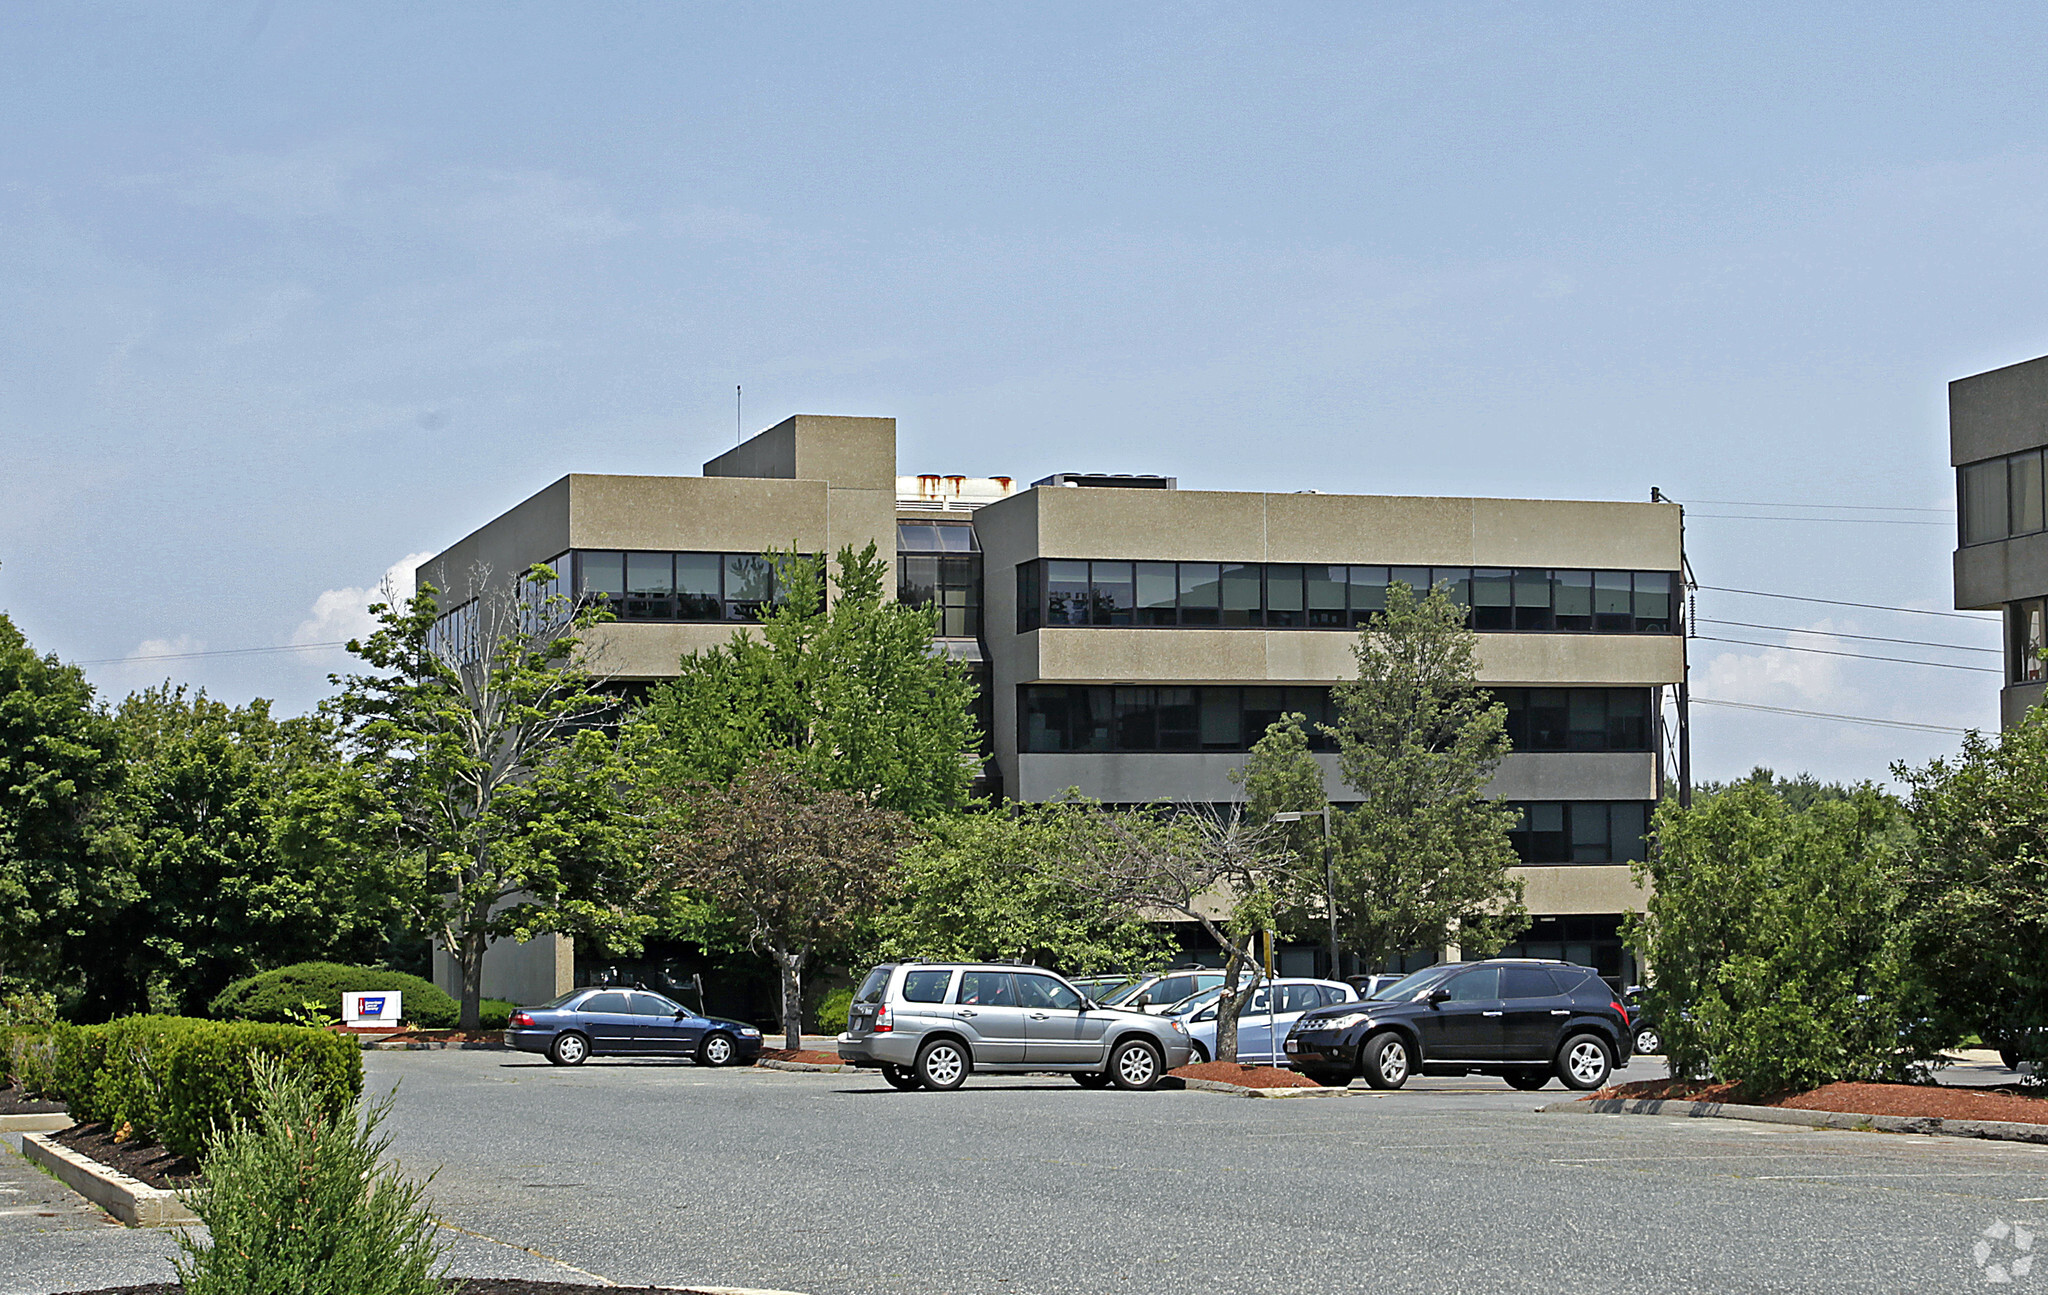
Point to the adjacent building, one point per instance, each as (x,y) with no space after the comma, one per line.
(1997,432)
(1132,639)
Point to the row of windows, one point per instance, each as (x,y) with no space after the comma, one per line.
(1581,831)
(2026,637)
(679,586)
(2001,498)
(1103,718)
(458,632)
(1292,595)
(936,537)
(951,582)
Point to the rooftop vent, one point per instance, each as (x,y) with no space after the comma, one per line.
(1110,480)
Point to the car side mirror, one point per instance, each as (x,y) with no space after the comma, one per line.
(682,1012)
(1142,1000)
(1208,1015)
(1439,995)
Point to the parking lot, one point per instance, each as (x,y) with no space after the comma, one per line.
(654,1172)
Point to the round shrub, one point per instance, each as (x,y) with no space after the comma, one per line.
(273,995)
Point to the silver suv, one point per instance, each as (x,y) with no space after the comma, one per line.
(927,1024)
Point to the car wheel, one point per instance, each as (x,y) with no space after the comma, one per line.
(1649,1042)
(717,1050)
(1201,1054)
(1385,1060)
(942,1065)
(1135,1066)
(1527,1080)
(1092,1079)
(2008,1058)
(1584,1062)
(569,1050)
(901,1078)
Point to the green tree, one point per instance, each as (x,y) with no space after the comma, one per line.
(1424,858)
(1775,933)
(1801,791)
(852,690)
(1281,776)
(983,887)
(504,792)
(62,869)
(800,867)
(1977,887)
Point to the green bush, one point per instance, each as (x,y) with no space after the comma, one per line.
(496,1013)
(833,1011)
(176,1079)
(274,995)
(299,1198)
(28,1060)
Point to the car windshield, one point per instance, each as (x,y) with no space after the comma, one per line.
(1408,986)
(1188,1006)
(1125,993)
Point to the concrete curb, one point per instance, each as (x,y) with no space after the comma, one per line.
(15,1127)
(1995,1130)
(1243,1090)
(811,1067)
(130,1200)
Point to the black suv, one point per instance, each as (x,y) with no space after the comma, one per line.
(1518,1018)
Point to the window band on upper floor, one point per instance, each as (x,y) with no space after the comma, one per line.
(2000,498)
(1059,592)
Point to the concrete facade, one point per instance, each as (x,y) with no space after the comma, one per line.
(2003,414)
(818,483)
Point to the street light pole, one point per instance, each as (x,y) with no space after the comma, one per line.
(1329,882)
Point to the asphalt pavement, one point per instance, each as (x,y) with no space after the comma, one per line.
(654,1172)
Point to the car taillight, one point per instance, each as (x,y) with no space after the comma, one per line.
(521,1020)
(1619,1008)
(883,1024)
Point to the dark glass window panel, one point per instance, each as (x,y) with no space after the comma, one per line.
(1517,702)
(1045,718)
(749,577)
(1653,598)
(1284,607)
(2027,633)
(1093,711)
(1985,502)
(957,538)
(1589,833)
(1628,823)
(1628,719)
(1588,720)
(2023,478)
(1179,719)
(1240,593)
(1030,594)
(1262,706)
(1572,592)
(1158,593)
(1549,719)
(1201,593)
(1613,605)
(1110,592)
(697,593)
(1327,587)
(1458,578)
(1532,600)
(1368,593)
(1066,593)
(917,537)
(1540,835)
(605,573)
(917,580)
(1492,600)
(1222,719)
(1416,578)
(650,586)
(1137,722)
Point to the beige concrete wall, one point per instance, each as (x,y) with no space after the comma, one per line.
(701,514)
(2000,412)
(854,457)
(2016,701)
(650,649)
(1581,888)
(534,530)
(1987,576)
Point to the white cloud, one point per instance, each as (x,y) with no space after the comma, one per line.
(150,648)
(343,614)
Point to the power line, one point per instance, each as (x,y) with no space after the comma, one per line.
(1822,714)
(1867,521)
(1982,618)
(1837,634)
(187,656)
(1856,656)
(1855,508)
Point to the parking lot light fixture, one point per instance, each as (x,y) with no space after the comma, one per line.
(1329,879)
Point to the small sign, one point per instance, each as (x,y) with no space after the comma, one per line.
(372,1008)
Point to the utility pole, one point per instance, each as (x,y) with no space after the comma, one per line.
(1329,882)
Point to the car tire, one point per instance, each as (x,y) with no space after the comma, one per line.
(1135,1066)
(1092,1079)
(1527,1080)
(570,1049)
(717,1049)
(1200,1055)
(1648,1042)
(1584,1062)
(942,1065)
(901,1078)
(2009,1058)
(1386,1060)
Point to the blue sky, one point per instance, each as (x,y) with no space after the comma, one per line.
(289,292)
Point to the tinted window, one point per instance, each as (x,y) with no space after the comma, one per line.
(606,1003)
(1333,995)
(1526,982)
(653,1005)
(1173,989)
(1575,980)
(1044,991)
(1482,983)
(871,988)
(986,988)
(1300,998)
(926,986)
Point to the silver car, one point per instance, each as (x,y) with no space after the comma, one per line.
(1264,1019)
(927,1024)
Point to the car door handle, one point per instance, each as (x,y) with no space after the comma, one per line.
(1560,1011)
(1038,1016)
(1489,1013)
(966,1011)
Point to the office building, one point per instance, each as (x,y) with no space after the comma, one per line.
(1997,430)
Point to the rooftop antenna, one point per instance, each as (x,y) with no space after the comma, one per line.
(736,413)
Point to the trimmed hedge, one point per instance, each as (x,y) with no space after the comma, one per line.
(174,1079)
(272,995)
(28,1060)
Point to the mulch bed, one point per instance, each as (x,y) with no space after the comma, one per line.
(13,1103)
(387,1035)
(1230,1072)
(1921,1100)
(155,1165)
(810,1055)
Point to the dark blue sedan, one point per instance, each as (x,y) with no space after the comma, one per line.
(629,1023)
